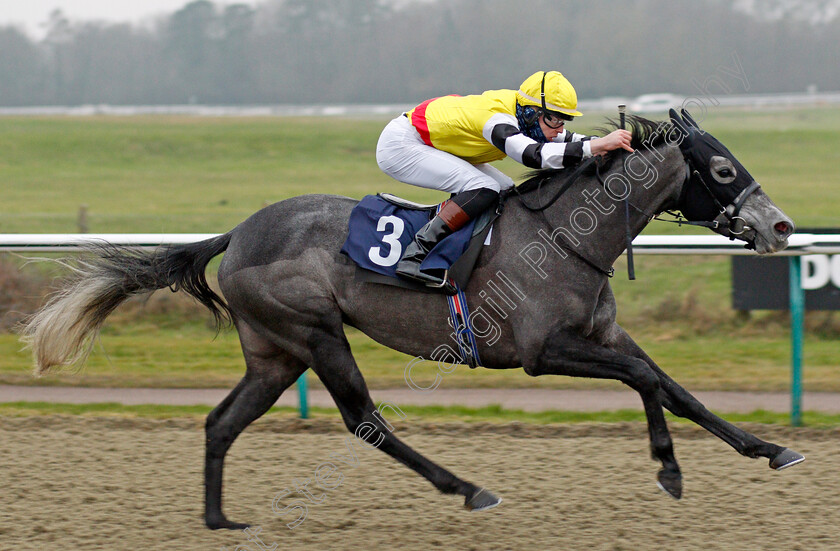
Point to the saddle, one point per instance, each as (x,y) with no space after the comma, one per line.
(381,227)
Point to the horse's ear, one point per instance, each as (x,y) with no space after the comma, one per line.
(685,129)
(677,120)
(689,119)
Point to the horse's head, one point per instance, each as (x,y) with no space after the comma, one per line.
(719,189)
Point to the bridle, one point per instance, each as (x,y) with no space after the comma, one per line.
(734,223)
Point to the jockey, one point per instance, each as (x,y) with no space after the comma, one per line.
(447,144)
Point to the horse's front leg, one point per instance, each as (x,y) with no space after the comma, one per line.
(680,402)
(567,353)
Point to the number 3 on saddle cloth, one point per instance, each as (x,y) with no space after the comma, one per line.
(382,226)
(380,229)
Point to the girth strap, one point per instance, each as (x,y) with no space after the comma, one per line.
(464,337)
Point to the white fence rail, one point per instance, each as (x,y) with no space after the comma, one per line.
(799,244)
(69,242)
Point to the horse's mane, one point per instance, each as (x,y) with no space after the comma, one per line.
(646,133)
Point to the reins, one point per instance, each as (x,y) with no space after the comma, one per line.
(609,272)
(563,188)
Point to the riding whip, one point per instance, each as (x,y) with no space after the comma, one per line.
(631,269)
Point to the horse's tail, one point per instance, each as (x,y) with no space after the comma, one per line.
(63,331)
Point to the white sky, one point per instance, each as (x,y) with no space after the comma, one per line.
(30,14)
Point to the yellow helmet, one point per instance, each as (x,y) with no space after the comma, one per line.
(549,90)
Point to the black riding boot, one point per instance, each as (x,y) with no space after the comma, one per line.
(452,217)
(424,241)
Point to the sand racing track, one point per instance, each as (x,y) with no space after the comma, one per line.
(125,483)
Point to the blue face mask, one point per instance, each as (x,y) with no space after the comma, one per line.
(529,123)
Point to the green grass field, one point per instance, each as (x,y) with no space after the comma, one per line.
(180,174)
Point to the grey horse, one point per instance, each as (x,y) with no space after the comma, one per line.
(541,286)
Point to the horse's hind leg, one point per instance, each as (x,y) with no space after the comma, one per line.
(680,402)
(270,372)
(223,406)
(334,364)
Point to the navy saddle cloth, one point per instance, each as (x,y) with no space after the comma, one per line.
(380,230)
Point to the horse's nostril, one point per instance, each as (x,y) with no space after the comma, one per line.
(782,227)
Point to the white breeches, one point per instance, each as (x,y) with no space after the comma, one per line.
(402,154)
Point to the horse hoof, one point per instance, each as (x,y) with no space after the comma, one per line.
(481,501)
(786,458)
(670,483)
(225,524)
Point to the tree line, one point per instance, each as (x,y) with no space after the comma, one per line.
(378,51)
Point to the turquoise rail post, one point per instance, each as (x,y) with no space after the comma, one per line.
(303,397)
(797,319)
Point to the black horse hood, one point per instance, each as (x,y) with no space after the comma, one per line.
(714,172)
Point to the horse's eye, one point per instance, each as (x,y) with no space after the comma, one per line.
(722,169)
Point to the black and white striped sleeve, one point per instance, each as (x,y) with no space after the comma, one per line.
(567,137)
(504,133)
